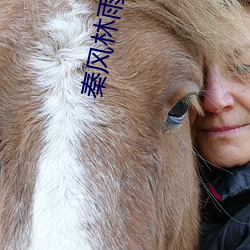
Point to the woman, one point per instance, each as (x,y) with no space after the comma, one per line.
(222,139)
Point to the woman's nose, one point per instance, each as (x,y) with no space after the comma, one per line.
(217,93)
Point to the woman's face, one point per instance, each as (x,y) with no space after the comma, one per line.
(222,136)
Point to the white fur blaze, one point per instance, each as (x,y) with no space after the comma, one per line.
(62,207)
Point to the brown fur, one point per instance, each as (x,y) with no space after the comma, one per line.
(143,172)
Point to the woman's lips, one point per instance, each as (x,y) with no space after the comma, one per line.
(225,130)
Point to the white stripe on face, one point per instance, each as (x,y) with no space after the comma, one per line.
(61,202)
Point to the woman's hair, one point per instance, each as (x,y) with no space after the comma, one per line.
(244,2)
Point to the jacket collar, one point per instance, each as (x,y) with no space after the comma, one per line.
(229,183)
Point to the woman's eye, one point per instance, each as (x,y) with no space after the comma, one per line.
(177,113)
(242,69)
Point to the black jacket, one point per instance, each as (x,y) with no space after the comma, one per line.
(226,211)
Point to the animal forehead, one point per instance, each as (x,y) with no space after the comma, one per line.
(148,35)
(157,54)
